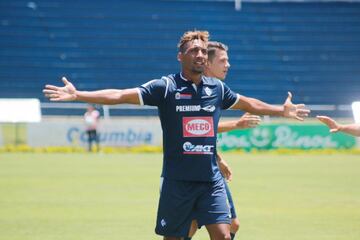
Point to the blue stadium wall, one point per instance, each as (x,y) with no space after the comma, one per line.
(311,49)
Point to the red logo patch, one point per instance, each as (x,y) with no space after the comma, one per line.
(198,127)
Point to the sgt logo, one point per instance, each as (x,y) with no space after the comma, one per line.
(190,148)
(163,222)
(198,127)
(208,91)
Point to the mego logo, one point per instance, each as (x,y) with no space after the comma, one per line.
(198,127)
(190,148)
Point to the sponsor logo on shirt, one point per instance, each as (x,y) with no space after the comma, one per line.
(188,108)
(194,108)
(190,148)
(198,127)
(209,108)
(179,96)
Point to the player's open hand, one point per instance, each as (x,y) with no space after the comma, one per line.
(331,123)
(248,121)
(66,93)
(297,111)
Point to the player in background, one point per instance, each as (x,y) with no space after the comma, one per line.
(92,118)
(217,67)
(192,183)
(352,129)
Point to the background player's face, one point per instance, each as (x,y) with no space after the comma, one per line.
(219,65)
(195,56)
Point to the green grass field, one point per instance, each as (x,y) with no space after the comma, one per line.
(114,196)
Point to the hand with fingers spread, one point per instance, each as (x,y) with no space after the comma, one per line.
(331,123)
(248,120)
(66,93)
(297,111)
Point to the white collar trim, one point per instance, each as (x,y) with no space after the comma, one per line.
(183,78)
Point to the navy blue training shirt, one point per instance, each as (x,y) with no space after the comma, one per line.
(189,116)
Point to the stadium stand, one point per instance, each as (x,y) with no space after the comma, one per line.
(309,48)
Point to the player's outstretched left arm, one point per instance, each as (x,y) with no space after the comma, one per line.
(352,129)
(246,121)
(288,109)
(107,96)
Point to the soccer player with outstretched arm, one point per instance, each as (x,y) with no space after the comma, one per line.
(189,106)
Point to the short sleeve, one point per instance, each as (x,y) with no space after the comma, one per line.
(229,98)
(153,92)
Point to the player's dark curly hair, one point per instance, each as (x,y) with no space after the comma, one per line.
(190,36)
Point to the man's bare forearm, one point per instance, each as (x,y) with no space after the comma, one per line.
(227,126)
(258,107)
(353,129)
(109,96)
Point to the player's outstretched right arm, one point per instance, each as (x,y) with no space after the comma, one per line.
(288,109)
(352,129)
(107,96)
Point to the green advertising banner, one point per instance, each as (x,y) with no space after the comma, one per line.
(274,136)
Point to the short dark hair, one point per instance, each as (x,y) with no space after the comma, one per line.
(192,35)
(213,46)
